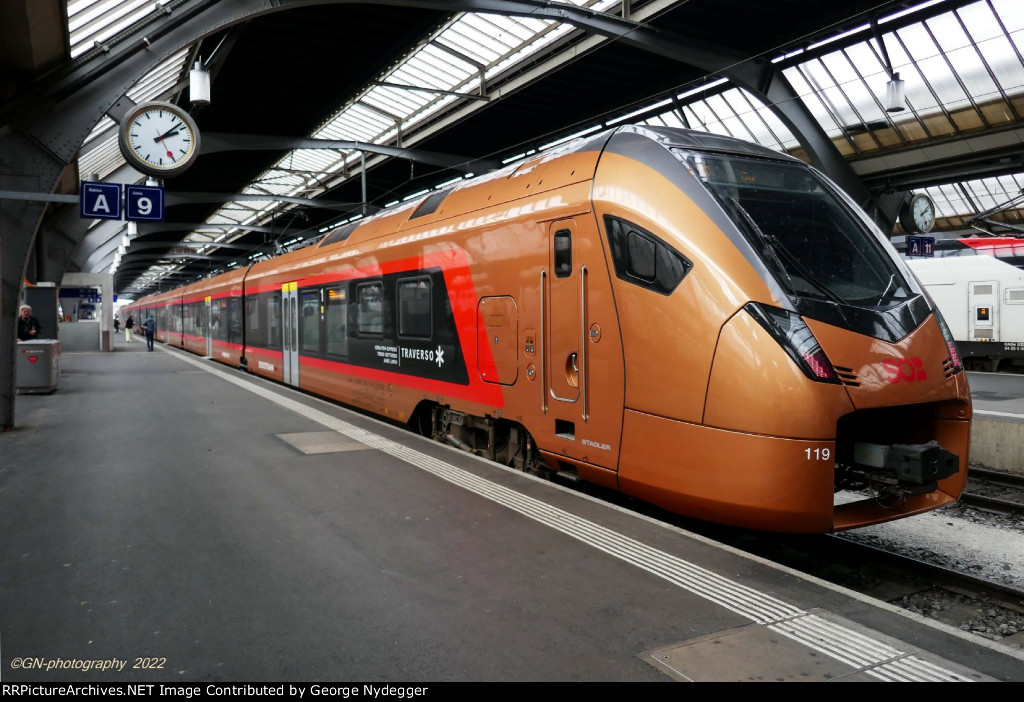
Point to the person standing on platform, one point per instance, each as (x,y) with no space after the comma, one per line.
(129,324)
(150,326)
(28,326)
(117,324)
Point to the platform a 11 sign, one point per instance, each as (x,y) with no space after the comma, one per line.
(142,203)
(921,246)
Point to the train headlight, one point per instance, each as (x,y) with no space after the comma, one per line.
(796,338)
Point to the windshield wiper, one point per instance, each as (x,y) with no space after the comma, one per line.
(768,250)
(775,247)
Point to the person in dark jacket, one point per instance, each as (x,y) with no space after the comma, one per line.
(150,326)
(129,324)
(28,326)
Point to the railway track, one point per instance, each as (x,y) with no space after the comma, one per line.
(957,598)
(994,491)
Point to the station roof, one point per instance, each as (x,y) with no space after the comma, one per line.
(489,82)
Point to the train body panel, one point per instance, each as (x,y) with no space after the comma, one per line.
(662,347)
(507,305)
(737,478)
(755,387)
(879,373)
(628,310)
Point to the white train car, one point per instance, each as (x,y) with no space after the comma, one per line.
(982,299)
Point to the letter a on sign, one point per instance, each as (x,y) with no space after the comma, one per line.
(99,200)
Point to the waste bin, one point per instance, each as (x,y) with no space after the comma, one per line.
(38,366)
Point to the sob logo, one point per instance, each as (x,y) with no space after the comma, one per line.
(904,369)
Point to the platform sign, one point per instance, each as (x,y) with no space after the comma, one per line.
(921,246)
(99,200)
(144,203)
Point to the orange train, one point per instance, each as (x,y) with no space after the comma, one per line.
(690,319)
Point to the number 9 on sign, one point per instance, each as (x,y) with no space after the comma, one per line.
(144,202)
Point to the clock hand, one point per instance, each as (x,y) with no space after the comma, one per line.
(171,132)
(161,140)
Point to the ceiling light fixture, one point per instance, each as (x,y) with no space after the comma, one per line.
(199,85)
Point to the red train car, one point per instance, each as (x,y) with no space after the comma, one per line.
(694,320)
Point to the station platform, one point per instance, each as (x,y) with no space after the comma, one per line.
(194,523)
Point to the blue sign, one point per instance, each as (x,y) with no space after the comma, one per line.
(78,292)
(99,200)
(920,246)
(144,203)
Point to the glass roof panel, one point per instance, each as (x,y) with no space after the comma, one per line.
(799,79)
(473,42)
(492,29)
(91,21)
(1010,14)
(396,100)
(973,197)
(970,68)
(947,31)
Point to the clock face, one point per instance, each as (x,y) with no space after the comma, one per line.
(923,213)
(159,139)
(918,216)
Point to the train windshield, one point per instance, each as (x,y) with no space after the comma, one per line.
(815,246)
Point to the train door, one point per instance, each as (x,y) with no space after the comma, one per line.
(582,366)
(209,327)
(562,350)
(290,333)
(565,349)
(983,310)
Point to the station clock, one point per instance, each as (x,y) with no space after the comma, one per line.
(159,139)
(918,215)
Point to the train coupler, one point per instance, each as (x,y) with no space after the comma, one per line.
(910,464)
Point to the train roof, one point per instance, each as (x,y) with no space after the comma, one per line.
(703,141)
(429,204)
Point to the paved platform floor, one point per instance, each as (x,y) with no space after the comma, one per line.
(198,524)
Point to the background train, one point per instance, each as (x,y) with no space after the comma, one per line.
(981,296)
(693,320)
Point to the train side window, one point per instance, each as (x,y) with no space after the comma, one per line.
(370,315)
(414,307)
(641,258)
(337,322)
(253,330)
(563,253)
(274,320)
(309,311)
(234,322)
(219,319)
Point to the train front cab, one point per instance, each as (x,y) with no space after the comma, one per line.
(726,419)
